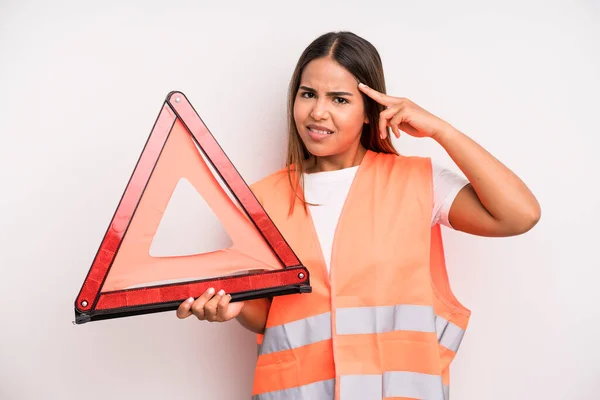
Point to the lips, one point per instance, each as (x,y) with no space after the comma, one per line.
(320,130)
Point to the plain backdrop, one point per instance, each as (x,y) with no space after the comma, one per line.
(81,84)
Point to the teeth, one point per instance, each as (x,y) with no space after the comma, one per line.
(321,132)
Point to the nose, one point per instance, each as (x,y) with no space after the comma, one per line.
(320,110)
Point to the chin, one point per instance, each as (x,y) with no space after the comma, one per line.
(320,150)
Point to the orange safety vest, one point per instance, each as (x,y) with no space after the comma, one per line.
(384,323)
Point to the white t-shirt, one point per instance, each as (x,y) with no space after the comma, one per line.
(329,189)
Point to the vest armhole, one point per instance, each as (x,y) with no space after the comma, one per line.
(439,275)
(440,282)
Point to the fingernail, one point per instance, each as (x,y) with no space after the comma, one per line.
(211,291)
(190,300)
(361,84)
(221,292)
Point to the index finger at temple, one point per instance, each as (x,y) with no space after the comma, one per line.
(375,95)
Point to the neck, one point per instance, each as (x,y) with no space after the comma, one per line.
(338,161)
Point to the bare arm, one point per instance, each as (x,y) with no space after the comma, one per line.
(253,315)
(496,202)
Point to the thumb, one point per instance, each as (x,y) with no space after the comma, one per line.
(184,309)
(228,310)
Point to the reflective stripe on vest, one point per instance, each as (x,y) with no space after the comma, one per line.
(368,387)
(322,390)
(393,384)
(297,334)
(362,320)
(449,334)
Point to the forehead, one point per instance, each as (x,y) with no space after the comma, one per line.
(326,74)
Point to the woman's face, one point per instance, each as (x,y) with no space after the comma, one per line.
(329,109)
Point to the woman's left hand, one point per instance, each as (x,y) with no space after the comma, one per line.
(401,114)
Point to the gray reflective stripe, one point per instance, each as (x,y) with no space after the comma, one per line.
(449,335)
(392,384)
(297,334)
(365,320)
(446,392)
(413,384)
(362,320)
(319,390)
(360,387)
(440,326)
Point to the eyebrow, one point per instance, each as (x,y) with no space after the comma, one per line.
(328,93)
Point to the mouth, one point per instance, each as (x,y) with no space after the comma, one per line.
(319,130)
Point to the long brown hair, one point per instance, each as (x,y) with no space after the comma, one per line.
(362,60)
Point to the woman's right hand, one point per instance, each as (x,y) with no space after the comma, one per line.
(210,307)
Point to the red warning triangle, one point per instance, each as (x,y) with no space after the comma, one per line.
(122,280)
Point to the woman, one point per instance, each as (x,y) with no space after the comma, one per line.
(381,321)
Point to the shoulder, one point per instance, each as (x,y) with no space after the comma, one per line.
(383,158)
(394,163)
(274,183)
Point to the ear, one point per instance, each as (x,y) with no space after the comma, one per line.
(366,119)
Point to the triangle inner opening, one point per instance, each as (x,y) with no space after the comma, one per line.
(188,226)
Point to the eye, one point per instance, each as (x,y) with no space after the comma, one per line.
(307,95)
(341,100)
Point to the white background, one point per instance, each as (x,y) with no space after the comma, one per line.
(81,84)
